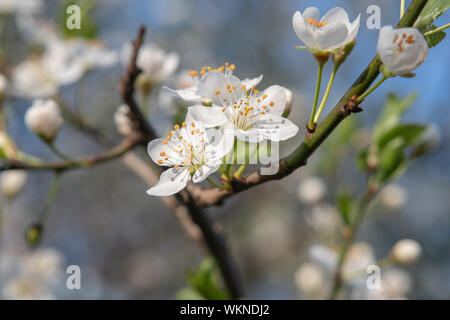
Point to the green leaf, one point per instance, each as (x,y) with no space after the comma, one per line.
(345,207)
(392,114)
(205,281)
(407,133)
(392,162)
(434,38)
(425,22)
(361,160)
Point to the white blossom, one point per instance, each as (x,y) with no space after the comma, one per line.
(393,196)
(122,120)
(156,64)
(44,119)
(192,94)
(328,34)
(310,280)
(12,182)
(401,50)
(22,7)
(191,152)
(311,190)
(62,63)
(256,116)
(406,251)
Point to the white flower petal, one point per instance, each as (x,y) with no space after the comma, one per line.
(302,31)
(215,85)
(277,95)
(170,182)
(170,64)
(336,14)
(156,147)
(311,13)
(221,141)
(275,128)
(204,171)
(354,28)
(187,94)
(248,83)
(210,116)
(331,36)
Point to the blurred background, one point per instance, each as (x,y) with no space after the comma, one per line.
(129,245)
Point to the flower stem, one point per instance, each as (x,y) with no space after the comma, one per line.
(402,8)
(437,30)
(360,214)
(214,183)
(316,94)
(327,93)
(59,153)
(372,89)
(50,199)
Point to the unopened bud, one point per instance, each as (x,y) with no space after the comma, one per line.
(12,182)
(33,234)
(406,251)
(44,119)
(339,58)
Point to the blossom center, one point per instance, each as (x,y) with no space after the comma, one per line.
(187,147)
(226,68)
(403,41)
(247,109)
(316,23)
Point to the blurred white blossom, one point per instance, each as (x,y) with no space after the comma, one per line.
(44,119)
(32,276)
(12,182)
(23,7)
(311,281)
(311,190)
(124,124)
(393,196)
(156,64)
(324,218)
(406,251)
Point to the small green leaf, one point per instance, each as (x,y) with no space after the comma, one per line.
(392,162)
(433,10)
(205,281)
(361,160)
(345,207)
(407,133)
(392,114)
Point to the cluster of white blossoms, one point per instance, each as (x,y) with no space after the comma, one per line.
(401,50)
(238,111)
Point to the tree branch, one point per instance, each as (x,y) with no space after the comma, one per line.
(216,196)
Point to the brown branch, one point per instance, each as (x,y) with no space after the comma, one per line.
(126,88)
(216,196)
(127,144)
(214,239)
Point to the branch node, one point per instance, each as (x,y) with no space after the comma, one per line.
(352,106)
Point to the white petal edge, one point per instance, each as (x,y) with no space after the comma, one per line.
(210,116)
(170,182)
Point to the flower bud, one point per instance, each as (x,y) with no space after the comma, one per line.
(122,120)
(287,109)
(401,50)
(12,182)
(44,119)
(406,251)
(340,57)
(310,279)
(393,196)
(311,190)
